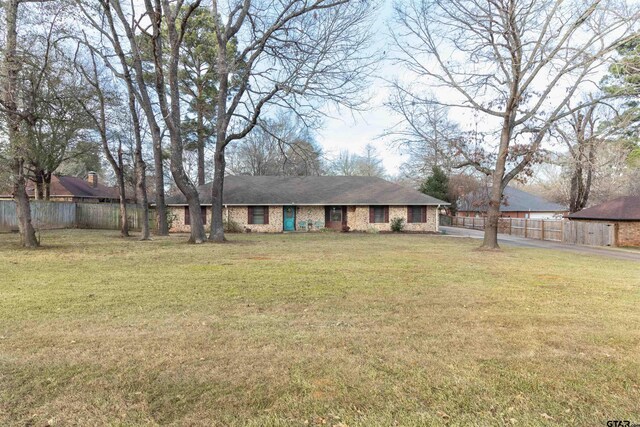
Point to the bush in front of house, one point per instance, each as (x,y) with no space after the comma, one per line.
(397,225)
(232,227)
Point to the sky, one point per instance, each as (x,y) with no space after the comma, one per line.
(347,130)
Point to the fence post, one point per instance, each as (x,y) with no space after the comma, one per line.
(525,228)
(510,223)
(542,229)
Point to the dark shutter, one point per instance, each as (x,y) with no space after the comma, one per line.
(203,213)
(386,214)
(424,214)
(266,214)
(372,215)
(327,214)
(187,216)
(344,216)
(250,215)
(409,214)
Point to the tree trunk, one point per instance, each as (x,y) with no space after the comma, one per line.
(9,95)
(140,165)
(217,225)
(162,226)
(124,221)
(23,207)
(490,240)
(201,143)
(577,189)
(38,191)
(46,185)
(143,201)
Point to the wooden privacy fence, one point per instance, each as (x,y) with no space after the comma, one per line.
(590,233)
(556,230)
(51,215)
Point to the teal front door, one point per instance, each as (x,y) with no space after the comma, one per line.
(289,218)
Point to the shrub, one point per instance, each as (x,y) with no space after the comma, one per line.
(397,225)
(232,227)
(372,230)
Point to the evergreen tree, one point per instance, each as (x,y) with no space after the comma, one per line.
(437,185)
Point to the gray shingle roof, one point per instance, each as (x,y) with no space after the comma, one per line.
(620,209)
(311,190)
(513,200)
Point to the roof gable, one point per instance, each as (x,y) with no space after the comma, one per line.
(311,190)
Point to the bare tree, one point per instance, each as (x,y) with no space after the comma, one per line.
(110,21)
(290,53)
(425,133)
(579,133)
(515,63)
(280,147)
(60,131)
(368,163)
(97,108)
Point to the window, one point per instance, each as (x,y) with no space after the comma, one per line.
(416,214)
(258,215)
(378,214)
(335,214)
(187,215)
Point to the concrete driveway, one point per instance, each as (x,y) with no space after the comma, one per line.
(505,239)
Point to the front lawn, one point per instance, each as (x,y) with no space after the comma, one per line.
(313,329)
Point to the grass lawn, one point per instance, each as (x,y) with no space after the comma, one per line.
(314,329)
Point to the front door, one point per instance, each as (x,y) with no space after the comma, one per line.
(335,217)
(289,223)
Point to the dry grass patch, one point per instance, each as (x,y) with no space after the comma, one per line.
(313,329)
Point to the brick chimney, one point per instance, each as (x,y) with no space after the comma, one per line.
(92,179)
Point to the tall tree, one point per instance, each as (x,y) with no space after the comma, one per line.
(97,107)
(18,114)
(290,53)
(60,131)
(424,133)
(199,84)
(108,19)
(515,64)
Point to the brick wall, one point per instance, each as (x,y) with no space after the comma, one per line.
(357,218)
(628,233)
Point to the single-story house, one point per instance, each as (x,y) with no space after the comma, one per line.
(623,212)
(65,188)
(515,204)
(273,204)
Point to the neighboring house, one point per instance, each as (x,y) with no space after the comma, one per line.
(515,204)
(274,204)
(71,189)
(624,212)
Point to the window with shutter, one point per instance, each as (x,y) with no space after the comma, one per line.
(258,215)
(187,216)
(379,214)
(417,214)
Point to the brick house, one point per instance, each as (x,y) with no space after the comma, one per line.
(515,204)
(623,212)
(272,204)
(65,188)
